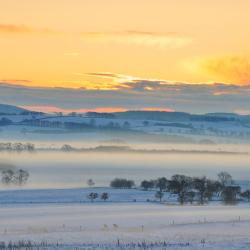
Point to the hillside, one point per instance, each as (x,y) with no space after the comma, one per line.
(11,110)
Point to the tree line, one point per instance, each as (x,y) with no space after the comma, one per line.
(14,177)
(17,147)
(191,189)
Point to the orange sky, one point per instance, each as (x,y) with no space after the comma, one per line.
(56,43)
(52,109)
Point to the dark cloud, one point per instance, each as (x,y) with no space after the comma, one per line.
(182,97)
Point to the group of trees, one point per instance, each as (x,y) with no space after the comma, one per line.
(93,196)
(122,183)
(202,190)
(17,147)
(100,115)
(14,177)
(73,125)
(191,189)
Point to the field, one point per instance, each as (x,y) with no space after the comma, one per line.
(52,211)
(80,224)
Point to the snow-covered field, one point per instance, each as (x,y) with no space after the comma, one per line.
(185,131)
(111,225)
(105,224)
(52,212)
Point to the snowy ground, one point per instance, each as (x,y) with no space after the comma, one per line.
(183,131)
(84,225)
(78,195)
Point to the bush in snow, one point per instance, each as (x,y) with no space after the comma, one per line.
(122,183)
(92,196)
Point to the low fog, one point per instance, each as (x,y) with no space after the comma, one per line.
(57,169)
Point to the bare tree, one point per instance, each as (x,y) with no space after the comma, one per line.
(190,196)
(90,183)
(200,184)
(180,185)
(67,148)
(19,177)
(104,196)
(225,179)
(162,183)
(213,187)
(92,196)
(7,176)
(246,194)
(229,194)
(147,184)
(159,195)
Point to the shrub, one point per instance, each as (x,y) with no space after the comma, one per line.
(122,183)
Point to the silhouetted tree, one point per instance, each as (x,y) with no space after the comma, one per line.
(246,194)
(190,196)
(180,185)
(147,184)
(225,179)
(19,177)
(162,183)
(200,184)
(92,196)
(7,176)
(104,196)
(90,183)
(67,148)
(213,187)
(122,183)
(229,194)
(159,195)
(30,147)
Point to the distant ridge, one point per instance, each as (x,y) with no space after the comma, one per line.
(179,116)
(11,110)
(165,116)
(154,115)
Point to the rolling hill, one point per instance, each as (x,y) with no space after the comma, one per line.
(10,109)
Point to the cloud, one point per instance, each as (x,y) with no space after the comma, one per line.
(10,28)
(228,68)
(110,86)
(15,81)
(120,78)
(118,81)
(121,81)
(161,40)
(200,98)
(129,82)
(23,29)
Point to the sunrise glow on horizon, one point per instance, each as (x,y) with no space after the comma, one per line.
(141,49)
(51,43)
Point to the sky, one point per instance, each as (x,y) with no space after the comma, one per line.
(110,55)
